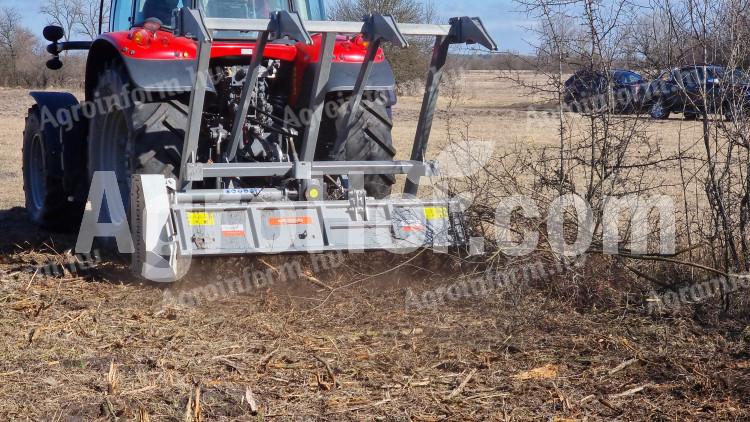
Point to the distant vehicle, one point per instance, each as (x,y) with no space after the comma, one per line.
(620,91)
(695,89)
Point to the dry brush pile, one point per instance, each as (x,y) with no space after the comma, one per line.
(602,156)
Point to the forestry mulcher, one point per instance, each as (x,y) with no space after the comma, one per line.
(237,127)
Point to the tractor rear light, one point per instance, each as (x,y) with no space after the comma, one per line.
(360,41)
(142,37)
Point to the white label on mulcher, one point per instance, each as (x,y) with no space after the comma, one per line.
(247,191)
(232,230)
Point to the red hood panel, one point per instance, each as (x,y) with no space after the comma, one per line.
(163,45)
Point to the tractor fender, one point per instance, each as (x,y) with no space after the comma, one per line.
(344,75)
(172,76)
(64,130)
(167,76)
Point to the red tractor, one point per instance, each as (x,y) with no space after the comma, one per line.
(251,117)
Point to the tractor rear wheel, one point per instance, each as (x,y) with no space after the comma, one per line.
(134,137)
(46,201)
(369,138)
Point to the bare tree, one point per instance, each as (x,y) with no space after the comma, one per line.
(9,33)
(406,11)
(64,13)
(410,63)
(88,18)
(605,155)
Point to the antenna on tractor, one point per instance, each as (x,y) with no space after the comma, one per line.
(101,15)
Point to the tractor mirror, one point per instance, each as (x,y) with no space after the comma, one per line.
(53,33)
(54,63)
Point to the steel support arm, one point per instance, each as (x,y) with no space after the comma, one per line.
(377,28)
(200,171)
(281,24)
(189,22)
(257,25)
(317,98)
(464,30)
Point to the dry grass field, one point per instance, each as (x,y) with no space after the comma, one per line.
(339,343)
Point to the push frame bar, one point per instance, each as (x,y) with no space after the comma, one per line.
(375,28)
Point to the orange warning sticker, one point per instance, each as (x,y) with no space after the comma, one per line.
(413,228)
(301,220)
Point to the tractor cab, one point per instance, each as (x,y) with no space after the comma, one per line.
(129,13)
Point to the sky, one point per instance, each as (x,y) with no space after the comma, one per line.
(506,24)
(502,18)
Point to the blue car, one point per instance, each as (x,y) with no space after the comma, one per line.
(697,89)
(619,90)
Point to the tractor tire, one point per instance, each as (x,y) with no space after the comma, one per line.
(135,137)
(368,140)
(46,202)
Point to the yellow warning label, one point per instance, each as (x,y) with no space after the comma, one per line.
(436,213)
(201,218)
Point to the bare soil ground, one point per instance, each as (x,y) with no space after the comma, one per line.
(340,344)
